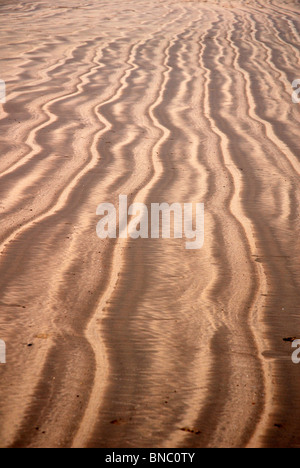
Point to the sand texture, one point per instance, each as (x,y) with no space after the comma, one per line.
(142,343)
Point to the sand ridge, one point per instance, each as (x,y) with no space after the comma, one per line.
(123,343)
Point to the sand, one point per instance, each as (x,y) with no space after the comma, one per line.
(142,343)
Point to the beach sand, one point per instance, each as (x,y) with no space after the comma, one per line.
(142,343)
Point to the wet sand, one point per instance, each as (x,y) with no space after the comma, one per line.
(142,343)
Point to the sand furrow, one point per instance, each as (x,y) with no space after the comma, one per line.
(242,233)
(95,402)
(125,84)
(254,214)
(83,165)
(46,217)
(143,343)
